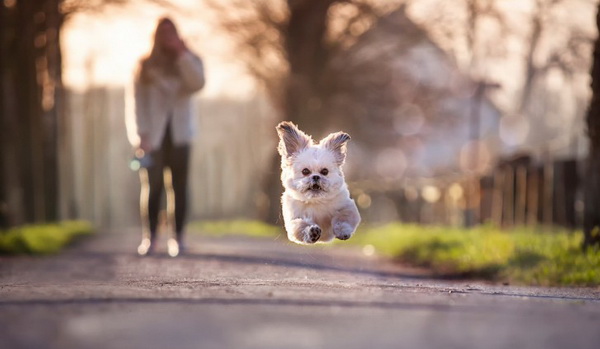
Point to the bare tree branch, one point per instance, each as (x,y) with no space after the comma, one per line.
(70,7)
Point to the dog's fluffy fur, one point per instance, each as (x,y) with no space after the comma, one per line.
(316,204)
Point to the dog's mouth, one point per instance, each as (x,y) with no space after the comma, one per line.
(314,187)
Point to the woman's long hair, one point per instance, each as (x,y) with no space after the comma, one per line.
(157,62)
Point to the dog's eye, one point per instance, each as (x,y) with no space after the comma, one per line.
(306,172)
(324,172)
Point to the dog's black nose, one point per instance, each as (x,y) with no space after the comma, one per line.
(316,178)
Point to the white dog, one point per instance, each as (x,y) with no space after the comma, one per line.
(316,203)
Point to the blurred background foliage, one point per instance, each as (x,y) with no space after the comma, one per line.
(461,113)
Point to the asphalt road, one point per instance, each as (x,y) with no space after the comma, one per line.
(236,292)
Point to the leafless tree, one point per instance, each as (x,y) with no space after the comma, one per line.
(290,46)
(31,102)
(592,178)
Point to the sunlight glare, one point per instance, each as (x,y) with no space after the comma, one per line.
(103,49)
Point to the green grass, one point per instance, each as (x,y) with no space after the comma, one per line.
(520,256)
(237,227)
(41,238)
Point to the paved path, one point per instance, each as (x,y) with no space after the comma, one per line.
(236,292)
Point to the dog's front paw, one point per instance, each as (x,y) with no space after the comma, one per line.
(342,230)
(312,233)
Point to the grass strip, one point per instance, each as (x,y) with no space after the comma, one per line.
(237,227)
(521,256)
(40,239)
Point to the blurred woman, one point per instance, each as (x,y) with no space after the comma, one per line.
(161,131)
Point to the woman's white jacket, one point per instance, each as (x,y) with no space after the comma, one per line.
(166,98)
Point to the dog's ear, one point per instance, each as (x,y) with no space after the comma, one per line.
(336,143)
(291,139)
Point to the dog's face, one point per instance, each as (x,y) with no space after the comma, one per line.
(311,171)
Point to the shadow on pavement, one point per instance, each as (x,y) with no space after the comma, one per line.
(236,301)
(291,263)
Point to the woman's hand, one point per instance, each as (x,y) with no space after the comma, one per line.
(174,43)
(145,144)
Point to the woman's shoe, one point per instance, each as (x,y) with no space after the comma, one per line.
(173,248)
(146,247)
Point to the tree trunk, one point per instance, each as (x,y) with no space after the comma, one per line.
(30,76)
(591,218)
(306,90)
(52,97)
(3,126)
(591,215)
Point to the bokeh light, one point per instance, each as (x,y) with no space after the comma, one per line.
(391,163)
(475,157)
(431,194)
(409,120)
(514,129)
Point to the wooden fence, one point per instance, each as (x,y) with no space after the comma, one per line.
(518,192)
(234,149)
(234,144)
